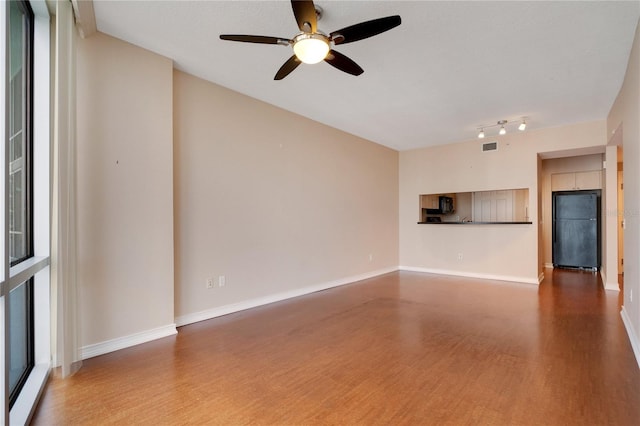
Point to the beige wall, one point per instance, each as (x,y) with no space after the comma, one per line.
(124,184)
(625,116)
(496,251)
(578,163)
(277,203)
(273,201)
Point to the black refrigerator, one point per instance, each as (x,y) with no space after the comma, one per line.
(576,229)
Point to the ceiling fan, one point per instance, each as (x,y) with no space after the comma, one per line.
(312,46)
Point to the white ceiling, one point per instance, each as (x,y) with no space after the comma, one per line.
(448,69)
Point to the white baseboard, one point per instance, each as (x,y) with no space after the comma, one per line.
(633,336)
(277,297)
(613,286)
(472,275)
(607,285)
(548,265)
(102,348)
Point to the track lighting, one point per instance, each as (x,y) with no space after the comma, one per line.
(502,124)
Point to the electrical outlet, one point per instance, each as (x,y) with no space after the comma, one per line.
(460,256)
(221,281)
(209,282)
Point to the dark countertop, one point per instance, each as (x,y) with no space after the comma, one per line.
(475,223)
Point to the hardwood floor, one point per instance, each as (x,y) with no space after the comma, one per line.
(403,348)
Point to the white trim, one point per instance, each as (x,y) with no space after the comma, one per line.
(548,265)
(608,285)
(26,269)
(85,17)
(277,297)
(633,336)
(112,345)
(25,404)
(42,317)
(4,120)
(472,275)
(41,129)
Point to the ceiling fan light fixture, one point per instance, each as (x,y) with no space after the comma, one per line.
(311,48)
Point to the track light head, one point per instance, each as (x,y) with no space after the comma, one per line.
(522,125)
(501,123)
(481,134)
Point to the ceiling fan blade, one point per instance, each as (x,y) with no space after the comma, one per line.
(305,13)
(288,66)
(365,29)
(255,39)
(343,63)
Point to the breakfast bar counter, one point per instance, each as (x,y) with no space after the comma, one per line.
(475,223)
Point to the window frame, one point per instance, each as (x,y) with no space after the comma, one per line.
(21,271)
(38,266)
(28,129)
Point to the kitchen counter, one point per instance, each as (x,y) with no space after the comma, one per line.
(475,223)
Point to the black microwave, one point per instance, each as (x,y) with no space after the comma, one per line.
(446,205)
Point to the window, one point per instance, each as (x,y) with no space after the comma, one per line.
(20,200)
(25,179)
(21,337)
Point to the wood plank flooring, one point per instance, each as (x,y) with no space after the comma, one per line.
(403,348)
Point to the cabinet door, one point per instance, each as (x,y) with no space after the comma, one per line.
(575,181)
(502,206)
(589,180)
(427,201)
(563,181)
(493,206)
(481,206)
